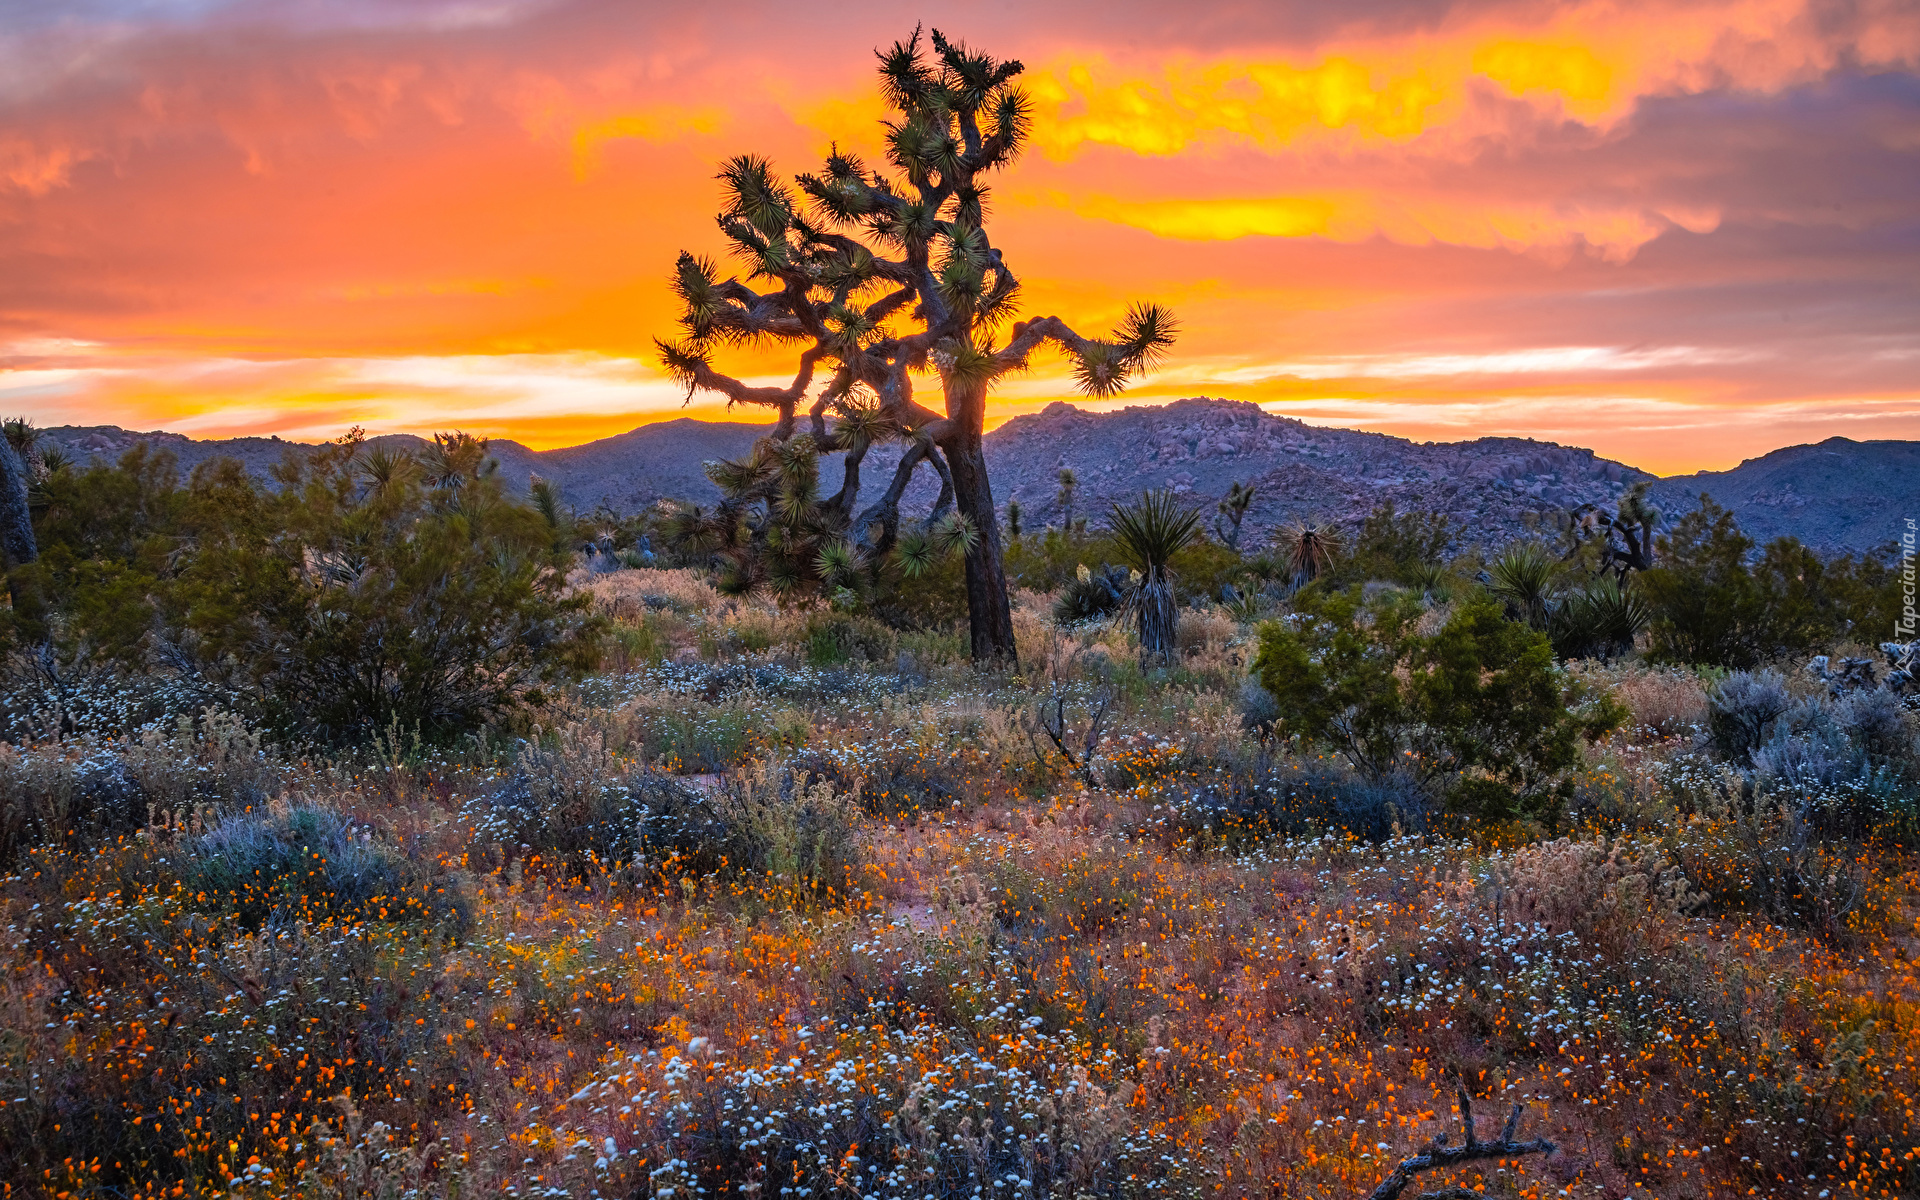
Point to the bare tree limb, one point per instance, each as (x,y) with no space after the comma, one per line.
(1438,1155)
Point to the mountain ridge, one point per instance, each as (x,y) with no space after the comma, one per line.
(1837,495)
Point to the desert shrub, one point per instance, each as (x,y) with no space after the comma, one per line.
(1393,545)
(575,807)
(1092,596)
(1746,848)
(1477,702)
(1712,601)
(193,1047)
(1236,809)
(63,795)
(796,838)
(687,734)
(637,643)
(1204,629)
(1741,711)
(1078,897)
(893,777)
(1049,561)
(833,638)
(85,791)
(1847,762)
(1258,709)
(919,1111)
(1883,726)
(1204,566)
(584,812)
(304,862)
(368,589)
(1664,702)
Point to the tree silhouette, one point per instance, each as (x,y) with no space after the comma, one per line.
(886,272)
(1233,510)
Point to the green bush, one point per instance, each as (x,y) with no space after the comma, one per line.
(1477,703)
(833,638)
(1713,603)
(370,590)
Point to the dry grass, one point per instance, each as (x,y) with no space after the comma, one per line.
(1665,702)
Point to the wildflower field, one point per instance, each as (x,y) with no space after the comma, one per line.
(789,904)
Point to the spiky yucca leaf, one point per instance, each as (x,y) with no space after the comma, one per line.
(1153,529)
(384,468)
(1012,119)
(1146,335)
(1309,548)
(693,282)
(733,579)
(755,196)
(837,561)
(735,477)
(783,577)
(683,361)
(962,364)
(915,553)
(904,77)
(1100,370)
(1523,579)
(546,499)
(955,532)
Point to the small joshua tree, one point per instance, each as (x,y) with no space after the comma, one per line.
(1626,537)
(875,274)
(1233,510)
(1068,482)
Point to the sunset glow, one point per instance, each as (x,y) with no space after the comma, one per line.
(1681,232)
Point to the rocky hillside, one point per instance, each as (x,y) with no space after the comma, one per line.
(1836,495)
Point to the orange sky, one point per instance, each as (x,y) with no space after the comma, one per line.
(1680,233)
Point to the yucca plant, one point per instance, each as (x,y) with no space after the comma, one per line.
(1149,533)
(873,273)
(1600,620)
(1523,579)
(1307,547)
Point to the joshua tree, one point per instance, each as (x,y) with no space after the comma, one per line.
(1013,519)
(1628,533)
(1149,534)
(885,272)
(1068,482)
(1233,510)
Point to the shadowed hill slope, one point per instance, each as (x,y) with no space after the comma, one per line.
(1837,495)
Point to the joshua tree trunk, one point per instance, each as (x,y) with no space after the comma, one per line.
(989,615)
(1159,618)
(16,523)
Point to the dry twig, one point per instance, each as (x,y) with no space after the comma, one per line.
(1439,1155)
